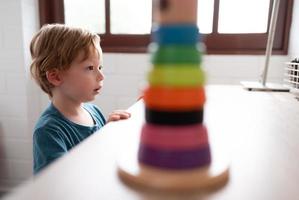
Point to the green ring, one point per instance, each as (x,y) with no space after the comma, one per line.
(177,66)
(175,54)
(178,77)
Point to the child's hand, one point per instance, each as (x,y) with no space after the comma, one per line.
(118,115)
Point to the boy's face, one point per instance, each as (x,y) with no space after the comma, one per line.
(84,79)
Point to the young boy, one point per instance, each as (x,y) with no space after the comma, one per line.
(67,65)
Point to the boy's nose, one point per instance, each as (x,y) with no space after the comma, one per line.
(100,75)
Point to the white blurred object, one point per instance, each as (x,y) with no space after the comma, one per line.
(292,76)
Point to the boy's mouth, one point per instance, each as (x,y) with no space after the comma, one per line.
(97,89)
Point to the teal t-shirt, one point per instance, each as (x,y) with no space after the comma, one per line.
(54,135)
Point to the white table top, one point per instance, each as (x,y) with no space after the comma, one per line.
(259,129)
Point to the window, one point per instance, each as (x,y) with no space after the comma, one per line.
(227,26)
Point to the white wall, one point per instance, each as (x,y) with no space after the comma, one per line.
(21,101)
(294,39)
(16,19)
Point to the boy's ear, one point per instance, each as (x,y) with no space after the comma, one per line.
(54,77)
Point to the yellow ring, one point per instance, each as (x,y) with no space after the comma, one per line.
(176,76)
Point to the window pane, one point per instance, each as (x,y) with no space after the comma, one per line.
(243,16)
(89,14)
(205,10)
(131,16)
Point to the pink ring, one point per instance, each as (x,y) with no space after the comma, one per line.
(174,137)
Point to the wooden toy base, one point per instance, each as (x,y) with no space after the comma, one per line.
(207,178)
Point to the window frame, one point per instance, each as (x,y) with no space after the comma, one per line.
(216,43)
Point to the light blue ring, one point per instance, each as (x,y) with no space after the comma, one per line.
(180,34)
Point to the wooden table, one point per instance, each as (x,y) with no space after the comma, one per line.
(259,129)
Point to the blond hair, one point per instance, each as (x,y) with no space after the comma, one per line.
(55,46)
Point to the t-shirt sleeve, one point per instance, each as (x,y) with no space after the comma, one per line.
(97,113)
(48,145)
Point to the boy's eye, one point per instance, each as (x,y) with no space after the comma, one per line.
(100,67)
(89,67)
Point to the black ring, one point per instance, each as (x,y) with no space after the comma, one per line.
(173,117)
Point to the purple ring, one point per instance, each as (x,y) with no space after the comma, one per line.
(174,159)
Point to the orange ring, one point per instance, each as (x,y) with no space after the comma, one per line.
(170,98)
